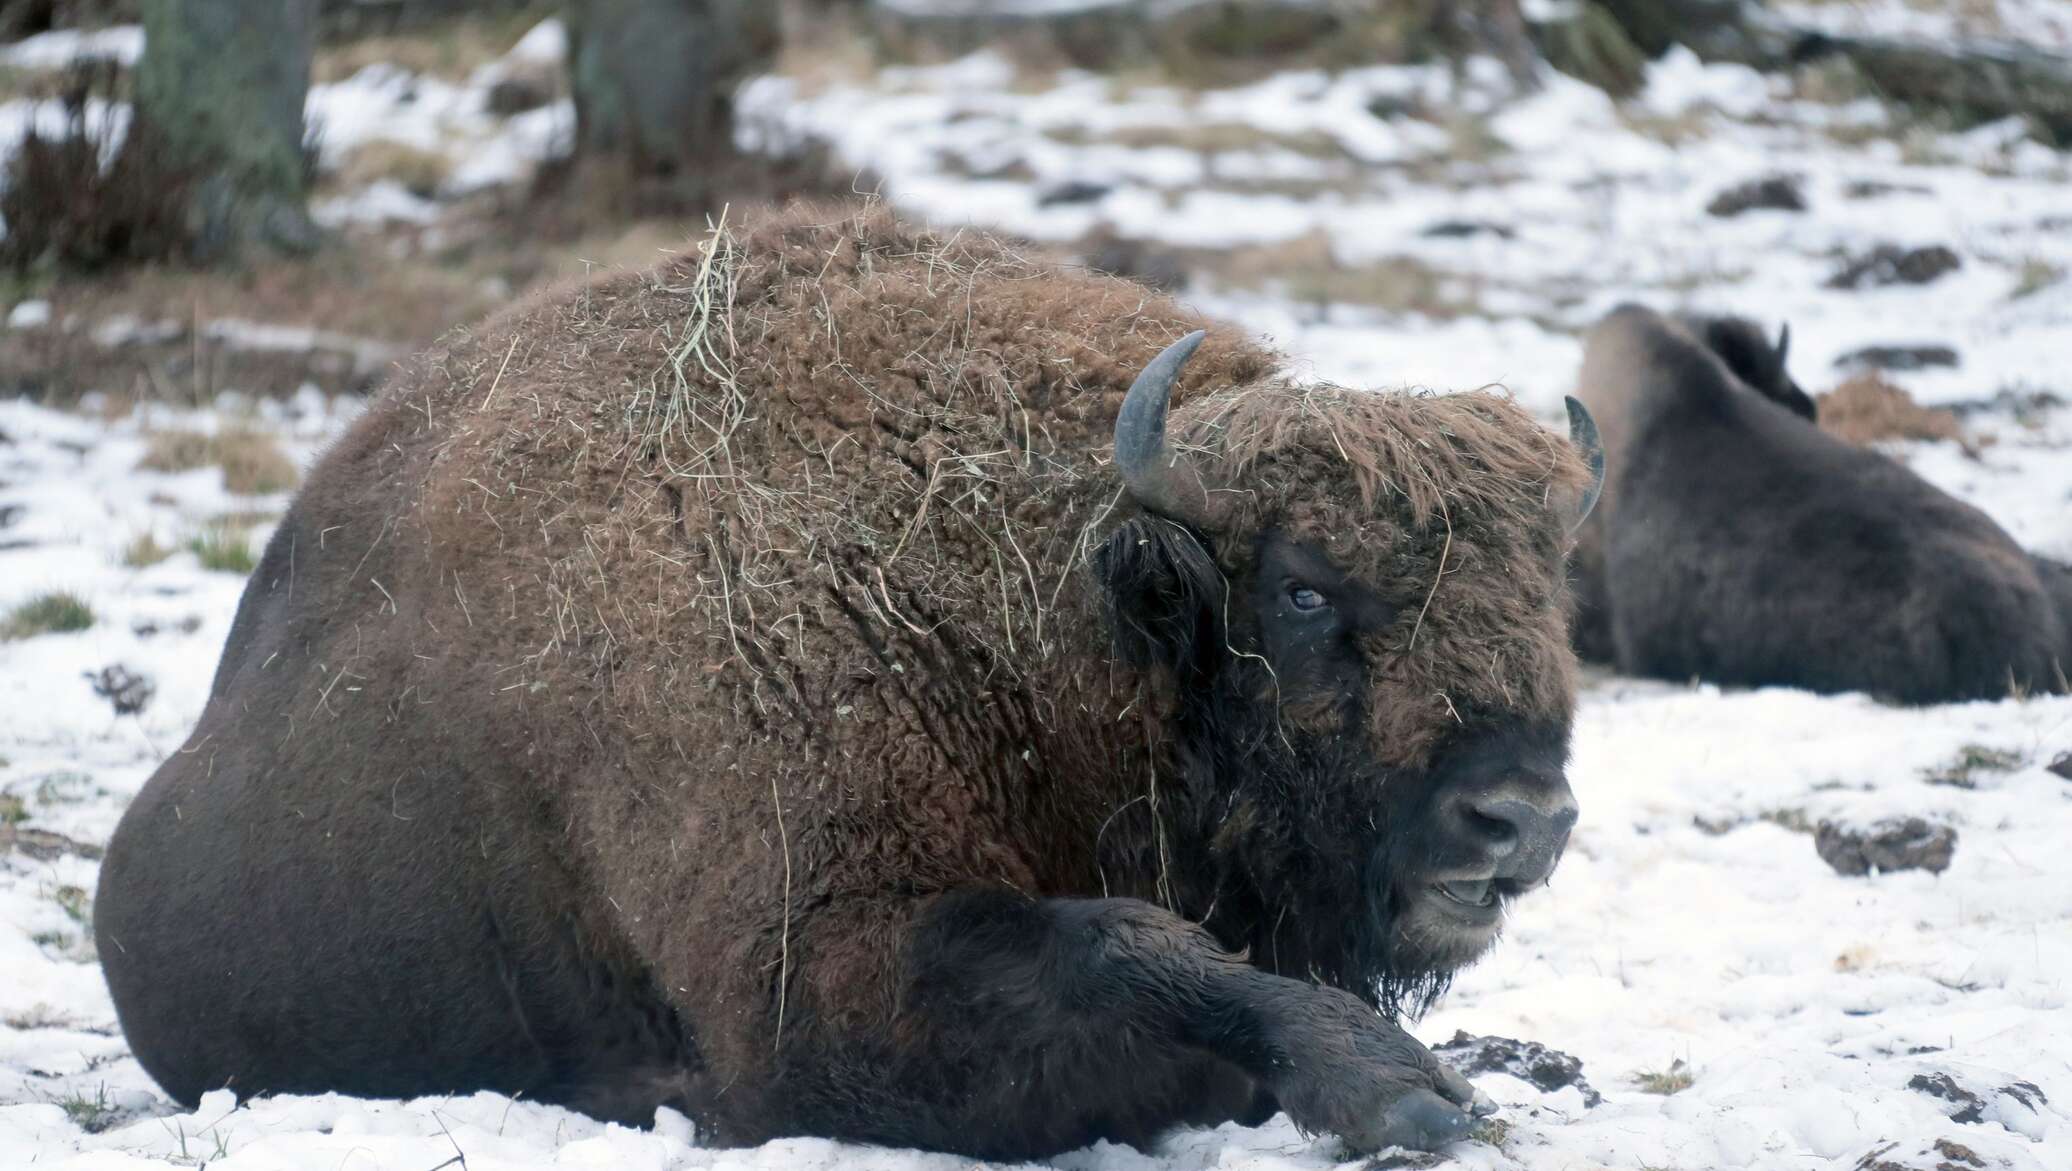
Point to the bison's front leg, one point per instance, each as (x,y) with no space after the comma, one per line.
(1084,1000)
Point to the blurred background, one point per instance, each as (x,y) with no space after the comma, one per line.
(1401,190)
(225,219)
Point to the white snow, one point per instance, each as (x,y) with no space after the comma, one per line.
(546,43)
(1600,206)
(1691,921)
(382,103)
(2043,24)
(29,315)
(58,48)
(1684,923)
(382,202)
(1679,82)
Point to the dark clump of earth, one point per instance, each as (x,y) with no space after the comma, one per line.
(1138,260)
(1770,193)
(1462,229)
(1899,357)
(1889,264)
(126,689)
(1072,191)
(1909,843)
(1528,1061)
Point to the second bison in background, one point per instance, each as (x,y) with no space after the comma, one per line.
(1740,544)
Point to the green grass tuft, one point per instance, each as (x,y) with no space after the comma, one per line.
(1494,1130)
(1674,1080)
(2036,276)
(76,903)
(1593,47)
(91,1114)
(13,810)
(224,548)
(1962,772)
(57,612)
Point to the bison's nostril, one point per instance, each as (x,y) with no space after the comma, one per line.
(1526,819)
(1500,835)
(1526,837)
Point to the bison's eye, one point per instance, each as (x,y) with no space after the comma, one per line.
(1305,599)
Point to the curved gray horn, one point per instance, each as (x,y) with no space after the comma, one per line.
(1155,475)
(1582,431)
(1783,343)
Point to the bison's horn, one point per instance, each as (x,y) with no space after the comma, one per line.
(1783,343)
(1582,431)
(1156,476)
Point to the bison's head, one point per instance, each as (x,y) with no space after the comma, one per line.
(1359,602)
(1755,360)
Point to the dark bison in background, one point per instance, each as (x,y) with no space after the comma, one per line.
(815,685)
(1738,543)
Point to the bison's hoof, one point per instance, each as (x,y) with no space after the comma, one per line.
(1392,1114)
(1422,1121)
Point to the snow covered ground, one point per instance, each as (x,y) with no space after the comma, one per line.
(1693,941)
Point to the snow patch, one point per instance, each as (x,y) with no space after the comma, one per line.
(59,48)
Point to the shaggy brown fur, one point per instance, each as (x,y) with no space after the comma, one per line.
(690,634)
(1738,544)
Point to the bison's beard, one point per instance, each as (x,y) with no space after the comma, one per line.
(1308,854)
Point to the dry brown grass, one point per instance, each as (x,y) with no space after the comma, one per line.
(144,551)
(419,171)
(1688,126)
(824,46)
(253,464)
(358,290)
(398,295)
(69,205)
(397,287)
(1868,409)
(450,50)
(1211,138)
(177,450)
(1307,271)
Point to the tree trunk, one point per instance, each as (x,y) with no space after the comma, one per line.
(220,91)
(654,82)
(1703,25)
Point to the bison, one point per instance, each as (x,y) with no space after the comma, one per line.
(861,682)
(1736,542)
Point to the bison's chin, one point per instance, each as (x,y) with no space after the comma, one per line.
(1434,929)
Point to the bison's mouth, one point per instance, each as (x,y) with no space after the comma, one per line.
(1473,893)
(1474,902)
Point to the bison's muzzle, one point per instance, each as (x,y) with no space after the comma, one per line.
(1501,816)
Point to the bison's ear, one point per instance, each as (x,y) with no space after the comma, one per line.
(1165,597)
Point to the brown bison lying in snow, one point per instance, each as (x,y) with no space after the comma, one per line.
(1738,543)
(816,686)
